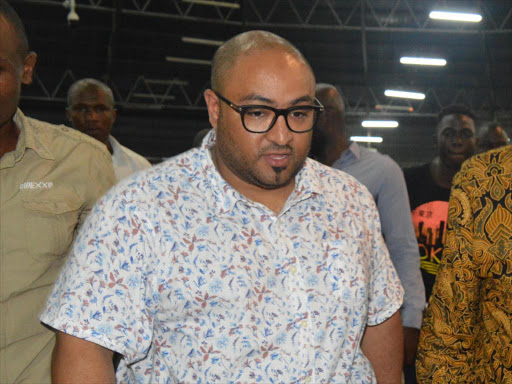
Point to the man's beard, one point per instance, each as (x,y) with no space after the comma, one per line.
(247,170)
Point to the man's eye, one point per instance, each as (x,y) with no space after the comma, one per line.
(257,113)
(300,113)
(101,109)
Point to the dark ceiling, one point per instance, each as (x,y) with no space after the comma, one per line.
(354,44)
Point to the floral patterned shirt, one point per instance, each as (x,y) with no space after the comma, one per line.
(192,282)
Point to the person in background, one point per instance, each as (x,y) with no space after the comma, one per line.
(429,185)
(91,111)
(491,137)
(50,177)
(239,261)
(385,181)
(466,335)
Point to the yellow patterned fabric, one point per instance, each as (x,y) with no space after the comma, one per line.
(467,331)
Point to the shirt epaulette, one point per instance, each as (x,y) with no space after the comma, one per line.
(72,134)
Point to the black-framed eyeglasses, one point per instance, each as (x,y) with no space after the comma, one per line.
(262,118)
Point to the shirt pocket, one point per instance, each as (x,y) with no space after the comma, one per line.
(51,223)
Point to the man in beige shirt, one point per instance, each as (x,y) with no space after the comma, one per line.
(50,177)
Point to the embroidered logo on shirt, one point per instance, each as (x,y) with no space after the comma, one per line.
(36,185)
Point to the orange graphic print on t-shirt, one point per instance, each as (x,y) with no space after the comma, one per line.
(429,221)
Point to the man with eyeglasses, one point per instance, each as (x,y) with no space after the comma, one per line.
(91,111)
(239,261)
(50,178)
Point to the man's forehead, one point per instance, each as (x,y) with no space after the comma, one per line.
(456,120)
(90,96)
(260,56)
(8,40)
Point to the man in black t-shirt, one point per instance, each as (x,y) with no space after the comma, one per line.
(429,190)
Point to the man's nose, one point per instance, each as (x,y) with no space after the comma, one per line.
(92,114)
(280,133)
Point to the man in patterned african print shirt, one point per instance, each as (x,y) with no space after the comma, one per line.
(467,330)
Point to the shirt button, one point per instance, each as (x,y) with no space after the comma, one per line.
(65,129)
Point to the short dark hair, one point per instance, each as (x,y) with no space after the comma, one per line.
(89,84)
(10,15)
(456,109)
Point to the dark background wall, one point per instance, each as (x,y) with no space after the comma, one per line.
(354,44)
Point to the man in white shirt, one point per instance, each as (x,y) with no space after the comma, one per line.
(239,261)
(91,110)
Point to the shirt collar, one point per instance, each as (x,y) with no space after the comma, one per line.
(352,152)
(31,137)
(354,149)
(117,149)
(307,182)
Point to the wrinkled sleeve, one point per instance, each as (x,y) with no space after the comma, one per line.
(386,294)
(446,339)
(398,231)
(100,295)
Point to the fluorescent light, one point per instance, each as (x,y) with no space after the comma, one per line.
(456,16)
(366,139)
(379,124)
(404,95)
(423,61)
(194,40)
(187,60)
(404,108)
(150,96)
(214,3)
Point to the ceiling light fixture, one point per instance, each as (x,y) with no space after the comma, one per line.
(423,61)
(404,94)
(366,139)
(186,60)
(456,16)
(195,40)
(379,124)
(405,108)
(224,4)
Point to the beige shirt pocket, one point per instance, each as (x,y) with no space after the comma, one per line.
(51,223)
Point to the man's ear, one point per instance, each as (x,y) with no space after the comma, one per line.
(114,115)
(212,102)
(28,68)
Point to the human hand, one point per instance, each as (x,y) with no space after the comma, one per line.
(411,338)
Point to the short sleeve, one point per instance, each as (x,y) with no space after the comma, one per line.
(100,178)
(386,293)
(100,293)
